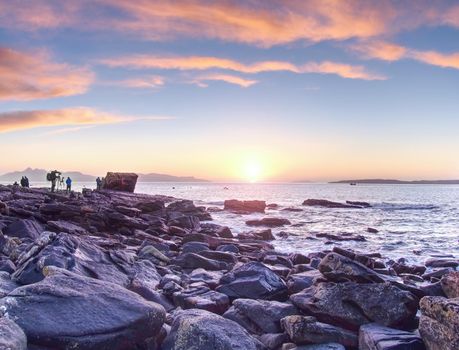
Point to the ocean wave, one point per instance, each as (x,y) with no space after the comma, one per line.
(405,206)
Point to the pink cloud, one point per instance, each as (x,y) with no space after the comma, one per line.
(33,75)
(380,50)
(76,117)
(436,58)
(231,79)
(142,83)
(207,63)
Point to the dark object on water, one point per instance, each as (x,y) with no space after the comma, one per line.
(353,184)
(120,182)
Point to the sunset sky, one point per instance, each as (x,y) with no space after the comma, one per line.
(231,90)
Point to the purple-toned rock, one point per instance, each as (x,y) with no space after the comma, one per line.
(269,222)
(12,336)
(375,337)
(253,206)
(328,204)
(450,284)
(120,182)
(201,298)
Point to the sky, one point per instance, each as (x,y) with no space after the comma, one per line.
(266,90)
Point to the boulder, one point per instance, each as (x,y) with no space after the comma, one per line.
(375,337)
(201,330)
(324,346)
(120,182)
(12,336)
(260,316)
(328,204)
(450,284)
(253,206)
(442,262)
(439,323)
(306,330)
(269,222)
(66,310)
(194,261)
(24,229)
(338,268)
(201,298)
(350,305)
(253,280)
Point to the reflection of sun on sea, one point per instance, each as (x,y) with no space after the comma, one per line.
(252,171)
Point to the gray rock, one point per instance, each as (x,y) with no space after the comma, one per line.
(201,330)
(439,323)
(338,268)
(195,261)
(12,336)
(253,280)
(66,310)
(201,298)
(375,337)
(306,330)
(350,305)
(24,229)
(450,284)
(260,316)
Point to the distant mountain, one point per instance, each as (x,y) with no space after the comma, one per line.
(39,175)
(399,182)
(152,177)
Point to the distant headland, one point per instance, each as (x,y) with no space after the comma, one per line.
(39,175)
(398,182)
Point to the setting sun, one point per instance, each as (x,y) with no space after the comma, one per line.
(252,170)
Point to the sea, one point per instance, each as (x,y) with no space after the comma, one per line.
(415,222)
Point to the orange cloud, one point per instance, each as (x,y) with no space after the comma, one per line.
(206,63)
(80,116)
(436,58)
(231,79)
(33,75)
(380,50)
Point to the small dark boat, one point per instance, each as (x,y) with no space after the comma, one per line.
(353,184)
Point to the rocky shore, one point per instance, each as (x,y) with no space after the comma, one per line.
(119,271)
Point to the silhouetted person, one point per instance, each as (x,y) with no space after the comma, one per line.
(69,184)
(53,177)
(99,183)
(26,182)
(22,182)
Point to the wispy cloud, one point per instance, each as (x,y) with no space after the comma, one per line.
(393,52)
(200,63)
(142,83)
(227,78)
(33,75)
(70,117)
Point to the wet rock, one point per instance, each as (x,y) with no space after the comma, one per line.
(199,329)
(270,222)
(439,323)
(345,236)
(372,230)
(24,229)
(151,206)
(201,298)
(338,268)
(375,337)
(450,284)
(306,330)
(253,280)
(253,206)
(120,182)
(400,268)
(299,281)
(328,204)
(66,310)
(65,226)
(260,316)
(6,284)
(228,248)
(195,261)
(194,247)
(439,262)
(273,341)
(189,222)
(325,346)
(210,278)
(265,235)
(12,336)
(360,204)
(293,210)
(350,305)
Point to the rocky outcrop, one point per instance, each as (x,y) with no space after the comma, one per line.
(450,284)
(306,330)
(375,337)
(329,204)
(338,268)
(253,280)
(245,207)
(120,182)
(66,310)
(199,329)
(350,305)
(12,336)
(439,323)
(269,222)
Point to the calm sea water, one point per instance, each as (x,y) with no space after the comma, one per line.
(414,221)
